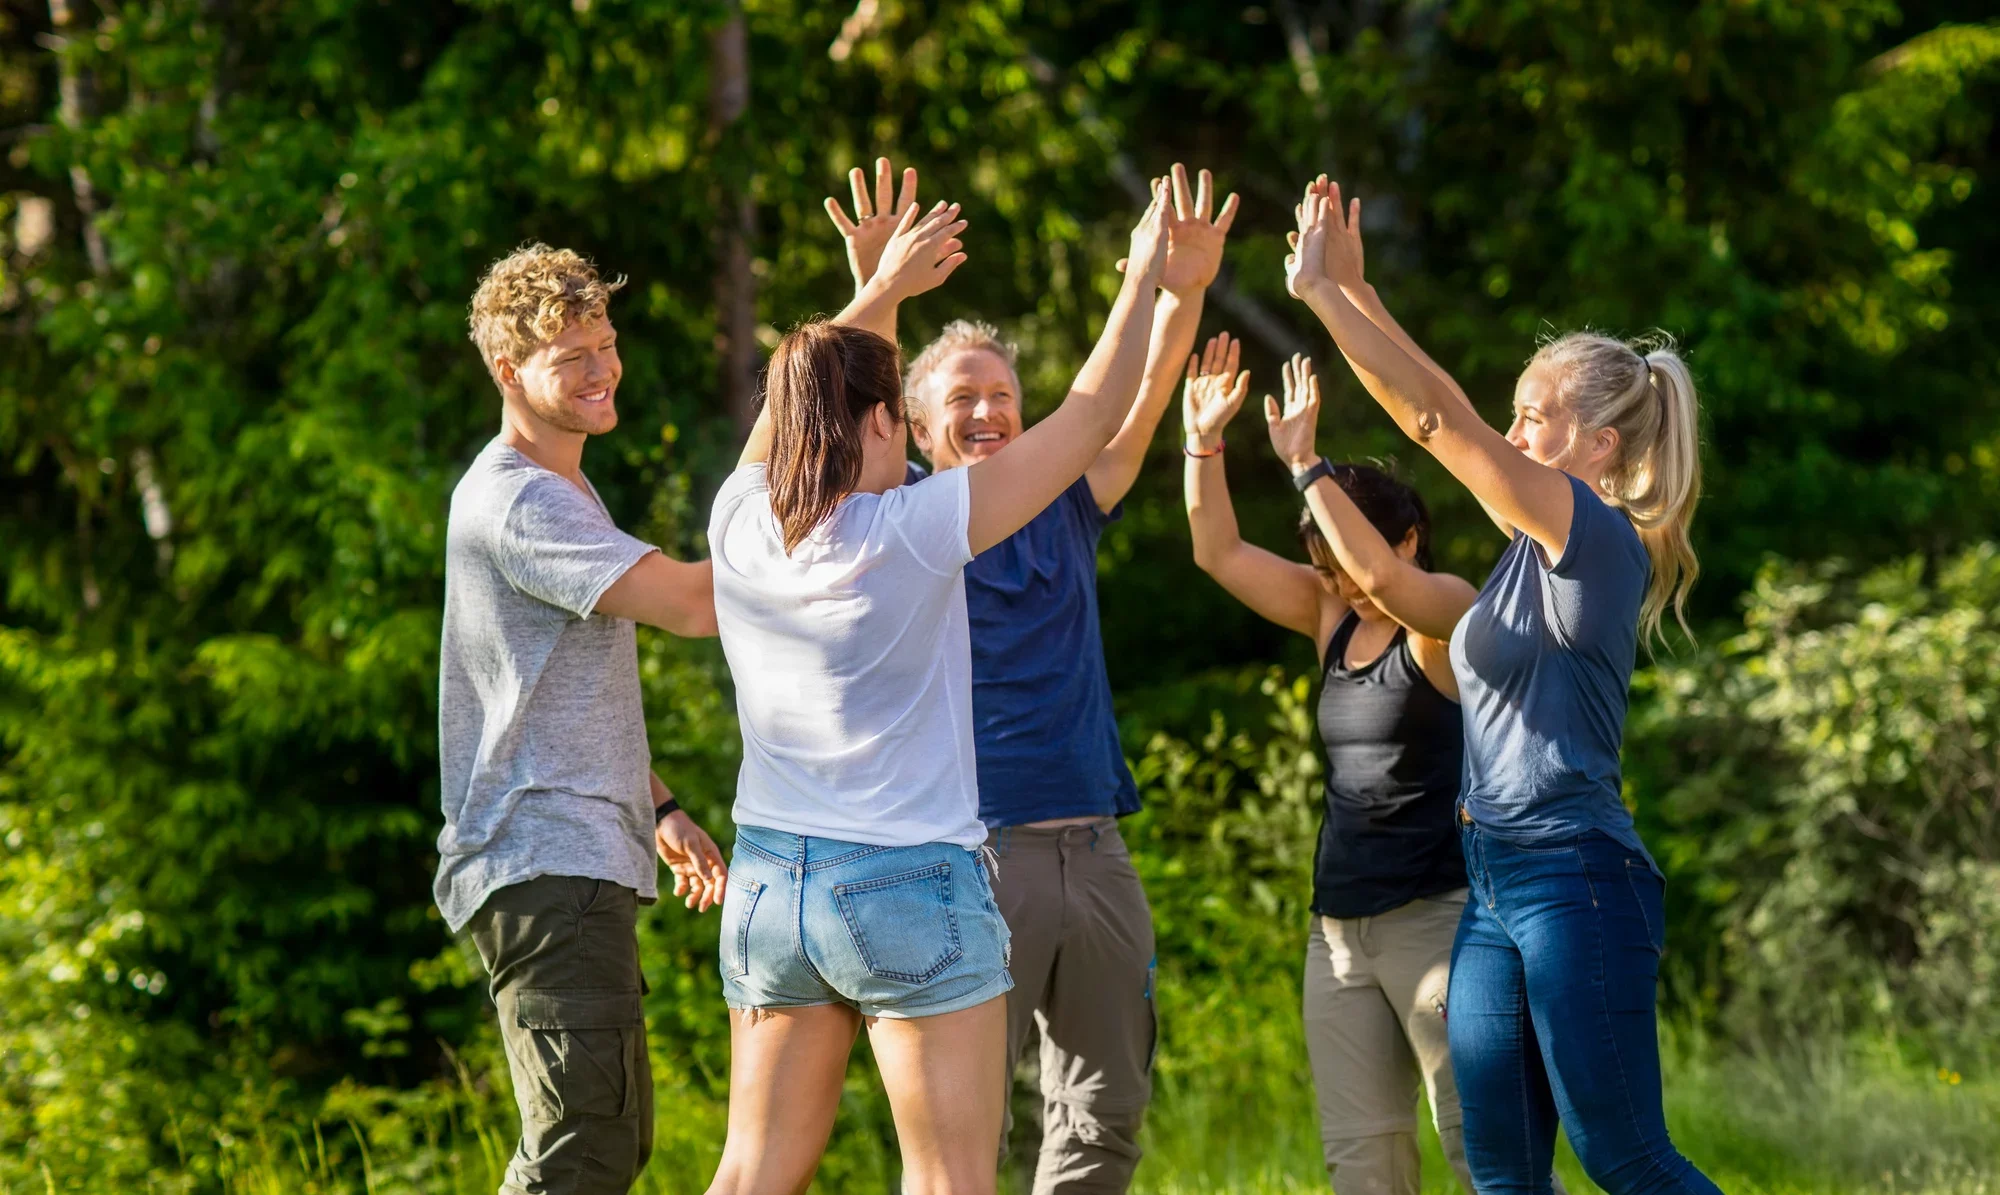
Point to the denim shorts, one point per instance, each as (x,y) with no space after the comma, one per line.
(894,931)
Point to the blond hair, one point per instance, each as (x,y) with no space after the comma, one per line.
(531,296)
(1642,390)
(958,336)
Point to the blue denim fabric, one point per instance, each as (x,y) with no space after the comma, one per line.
(1551,1015)
(895,931)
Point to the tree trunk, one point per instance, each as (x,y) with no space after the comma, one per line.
(735,286)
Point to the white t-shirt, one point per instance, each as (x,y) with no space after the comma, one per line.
(853,663)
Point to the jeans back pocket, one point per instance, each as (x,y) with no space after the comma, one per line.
(739,901)
(902,925)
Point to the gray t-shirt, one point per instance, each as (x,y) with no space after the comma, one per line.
(541,737)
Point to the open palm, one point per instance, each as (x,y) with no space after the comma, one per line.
(1294,427)
(1214,390)
(875,220)
(1194,241)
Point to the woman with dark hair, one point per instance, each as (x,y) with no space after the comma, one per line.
(1555,973)
(856,893)
(1388,878)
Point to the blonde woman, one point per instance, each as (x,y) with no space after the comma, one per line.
(1555,969)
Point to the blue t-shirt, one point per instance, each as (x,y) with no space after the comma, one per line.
(1544,659)
(1045,739)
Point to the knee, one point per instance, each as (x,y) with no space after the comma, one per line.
(1644,1168)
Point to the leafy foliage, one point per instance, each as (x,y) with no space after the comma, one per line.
(1830,782)
(236,237)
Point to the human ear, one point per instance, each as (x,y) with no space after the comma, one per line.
(1408,548)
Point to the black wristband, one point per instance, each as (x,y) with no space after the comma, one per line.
(1305,477)
(664,809)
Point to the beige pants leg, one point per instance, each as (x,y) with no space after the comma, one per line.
(1374,1015)
(1082,968)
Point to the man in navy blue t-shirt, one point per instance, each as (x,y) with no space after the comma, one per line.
(1052,776)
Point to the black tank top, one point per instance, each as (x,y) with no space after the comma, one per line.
(1394,747)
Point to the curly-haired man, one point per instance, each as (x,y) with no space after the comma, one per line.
(552,811)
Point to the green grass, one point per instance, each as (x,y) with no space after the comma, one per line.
(1812,1122)
(1818,1121)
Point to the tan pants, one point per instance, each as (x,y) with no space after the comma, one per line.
(1374,1011)
(1083,977)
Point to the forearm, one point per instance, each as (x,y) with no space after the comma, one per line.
(661,793)
(1106,386)
(1212,525)
(1369,303)
(1413,396)
(1175,320)
(1368,559)
(873,307)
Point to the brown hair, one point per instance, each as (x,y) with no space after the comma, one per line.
(531,296)
(1644,390)
(1385,500)
(824,380)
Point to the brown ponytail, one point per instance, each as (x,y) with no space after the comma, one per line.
(824,380)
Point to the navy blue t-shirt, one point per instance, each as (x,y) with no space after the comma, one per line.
(1043,732)
(1544,659)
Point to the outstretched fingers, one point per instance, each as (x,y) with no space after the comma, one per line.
(838,214)
(1184,205)
(1227,216)
(857,183)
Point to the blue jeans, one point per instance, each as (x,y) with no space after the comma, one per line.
(1551,1015)
(894,931)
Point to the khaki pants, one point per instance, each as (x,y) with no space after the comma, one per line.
(1374,1012)
(1083,976)
(563,953)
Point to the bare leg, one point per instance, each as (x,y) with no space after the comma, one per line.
(947,1083)
(785,1071)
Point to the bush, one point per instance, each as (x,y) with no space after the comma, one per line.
(1828,785)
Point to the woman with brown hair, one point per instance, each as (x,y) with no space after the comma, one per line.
(856,891)
(1388,878)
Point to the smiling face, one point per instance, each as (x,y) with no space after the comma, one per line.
(1546,431)
(570,382)
(971,406)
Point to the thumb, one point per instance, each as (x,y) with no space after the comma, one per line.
(1120,267)
(1270,409)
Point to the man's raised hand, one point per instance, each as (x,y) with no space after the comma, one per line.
(874,222)
(1213,392)
(1194,241)
(1295,426)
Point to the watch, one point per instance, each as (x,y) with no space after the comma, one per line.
(1305,477)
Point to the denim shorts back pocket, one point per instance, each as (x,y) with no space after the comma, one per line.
(903,925)
(739,903)
(575,1052)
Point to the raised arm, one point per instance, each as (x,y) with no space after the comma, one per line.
(1365,299)
(1194,254)
(1283,591)
(1516,490)
(920,253)
(1429,604)
(1019,481)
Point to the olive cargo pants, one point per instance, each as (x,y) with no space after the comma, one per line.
(563,954)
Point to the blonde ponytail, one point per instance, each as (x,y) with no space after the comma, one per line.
(1643,390)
